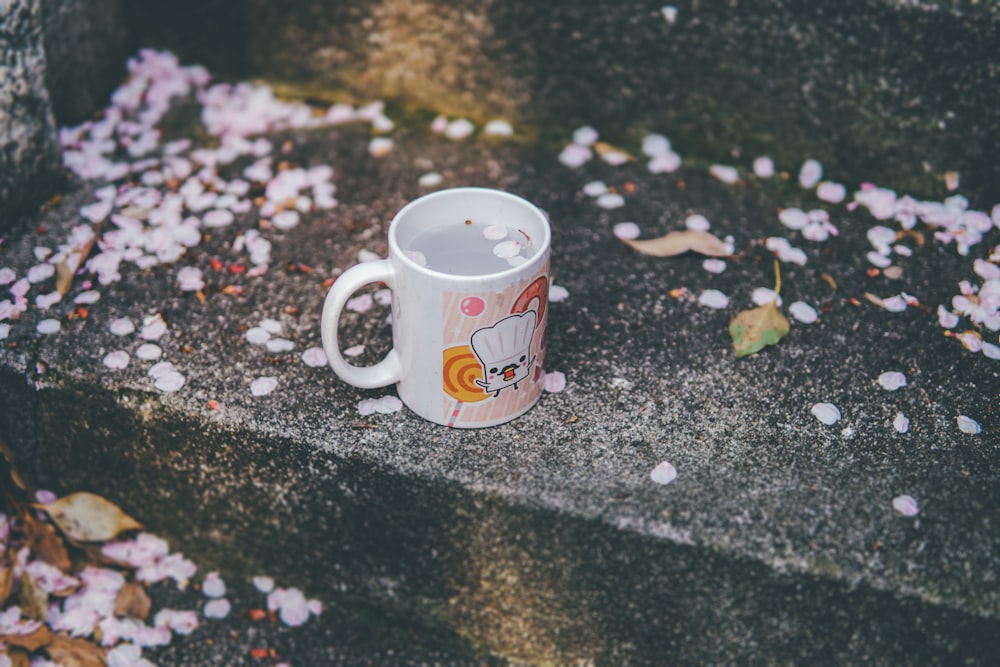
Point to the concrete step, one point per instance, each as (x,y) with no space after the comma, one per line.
(545,540)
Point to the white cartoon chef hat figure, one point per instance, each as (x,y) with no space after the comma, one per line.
(504,350)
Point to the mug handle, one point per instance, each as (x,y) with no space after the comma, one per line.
(385,372)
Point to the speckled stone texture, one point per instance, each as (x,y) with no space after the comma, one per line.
(545,539)
(28,151)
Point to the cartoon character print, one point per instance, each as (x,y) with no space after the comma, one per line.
(504,350)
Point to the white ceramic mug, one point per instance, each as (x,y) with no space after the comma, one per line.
(467,349)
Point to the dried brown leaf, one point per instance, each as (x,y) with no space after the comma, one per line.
(66,269)
(6,584)
(69,652)
(87,517)
(133,601)
(677,243)
(18,657)
(45,543)
(17,488)
(31,641)
(34,601)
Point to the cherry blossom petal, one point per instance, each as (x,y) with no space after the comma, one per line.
(87,298)
(713,265)
(828,413)
(380,146)
(263,386)
(575,156)
(906,505)
(153,327)
(263,584)
(217,608)
(946,318)
(664,473)
(353,351)
(161,369)
(968,425)
(46,301)
(495,232)
(901,423)
(793,218)
(810,174)
(557,293)
(498,128)
(655,144)
(626,231)
(360,303)
(48,326)
(117,360)
(610,200)
(697,222)
(4,331)
(430,180)
(724,173)
(388,404)
(507,249)
(554,382)
(892,380)
(763,295)
(213,586)
(149,351)
(460,128)
(831,192)
(803,312)
(218,218)
(285,219)
(189,278)
(763,167)
(315,357)
(276,345)
(257,335)
(667,163)
(585,136)
(170,382)
(713,298)
(990,350)
(271,325)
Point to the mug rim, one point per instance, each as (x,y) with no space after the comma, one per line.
(396,252)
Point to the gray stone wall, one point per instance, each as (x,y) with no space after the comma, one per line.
(86,44)
(28,152)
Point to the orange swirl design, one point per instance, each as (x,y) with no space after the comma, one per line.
(461,369)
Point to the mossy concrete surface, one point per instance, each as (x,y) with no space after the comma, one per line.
(545,540)
(905,91)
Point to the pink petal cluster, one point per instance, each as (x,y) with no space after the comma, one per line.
(292,606)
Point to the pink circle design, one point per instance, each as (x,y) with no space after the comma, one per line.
(472,306)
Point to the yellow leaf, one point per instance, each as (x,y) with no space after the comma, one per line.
(677,243)
(87,517)
(34,601)
(611,153)
(752,330)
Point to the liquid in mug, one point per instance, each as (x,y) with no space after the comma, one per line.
(468,248)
